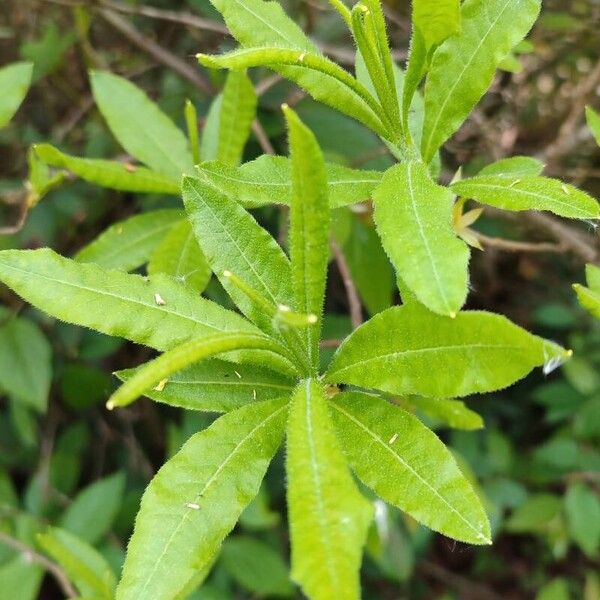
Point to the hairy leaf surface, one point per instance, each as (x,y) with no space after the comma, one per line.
(407,465)
(14,83)
(453,413)
(529,193)
(515,166)
(217,386)
(589,297)
(238,111)
(413,217)
(195,499)
(233,241)
(109,173)
(113,302)
(436,20)
(328,516)
(463,67)
(180,256)
(140,126)
(408,350)
(129,244)
(268,179)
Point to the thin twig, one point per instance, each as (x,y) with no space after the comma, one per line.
(353,299)
(262,137)
(514,246)
(330,343)
(33,556)
(156,51)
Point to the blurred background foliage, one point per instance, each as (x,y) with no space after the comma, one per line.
(65,461)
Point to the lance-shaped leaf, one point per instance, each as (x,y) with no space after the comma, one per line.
(407,465)
(328,516)
(589,297)
(323,79)
(268,180)
(593,121)
(309,226)
(209,143)
(436,20)
(515,166)
(233,241)
(463,67)
(238,111)
(14,83)
(217,386)
(413,216)
(140,126)
(408,350)
(415,69)
(196,498)
(108,173)
(158,371)
(129,244)
(453,413)
(179,256)
(82,563)
(529,193)
(157,312)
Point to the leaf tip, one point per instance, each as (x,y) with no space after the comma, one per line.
(453,315)
(227,274)
(110,405)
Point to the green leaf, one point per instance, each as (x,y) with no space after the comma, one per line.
(453,413)
(83,564)
(196,498)
(323,79)
(209,143)
(127,245)
(415,69)
(557,589)
(140,126)
(238,111)
(113,302)
(268,179)
(589,297)
(328,516)
(109,173)
(256,566)
(582,508)
(91,514)
(593,121)
(515,166)
(436,20)
(14,83)
(233,241)
(20,578)
(408,350)
(25,361)
(535,514)
(191,122)
(463,67)
(309,227)
(413,217)
(160,369)
(529,193)
(180,256)
(217,386)
(408,466)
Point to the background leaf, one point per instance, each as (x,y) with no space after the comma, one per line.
(14,83)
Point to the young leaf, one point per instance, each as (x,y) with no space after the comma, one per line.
(191,122)
(408,350)
(14,83)
(128,245)
(589,297)
(84,565)
(515,166)
(268,179)
(160,369)
(180,256)
(238,111)
(593,121)
(436,20)
(209,143)
(529,193)
(463,67)
(453,413)
(415,69)
(92,512)
(408,466)
(140,126)
(217,386)
(22,577)
(109,173)
(323,79)
(309,227)
(233,241)
(25,361)
(192,504)
(157,312)
(582,508)
(328,516)
(413,217)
